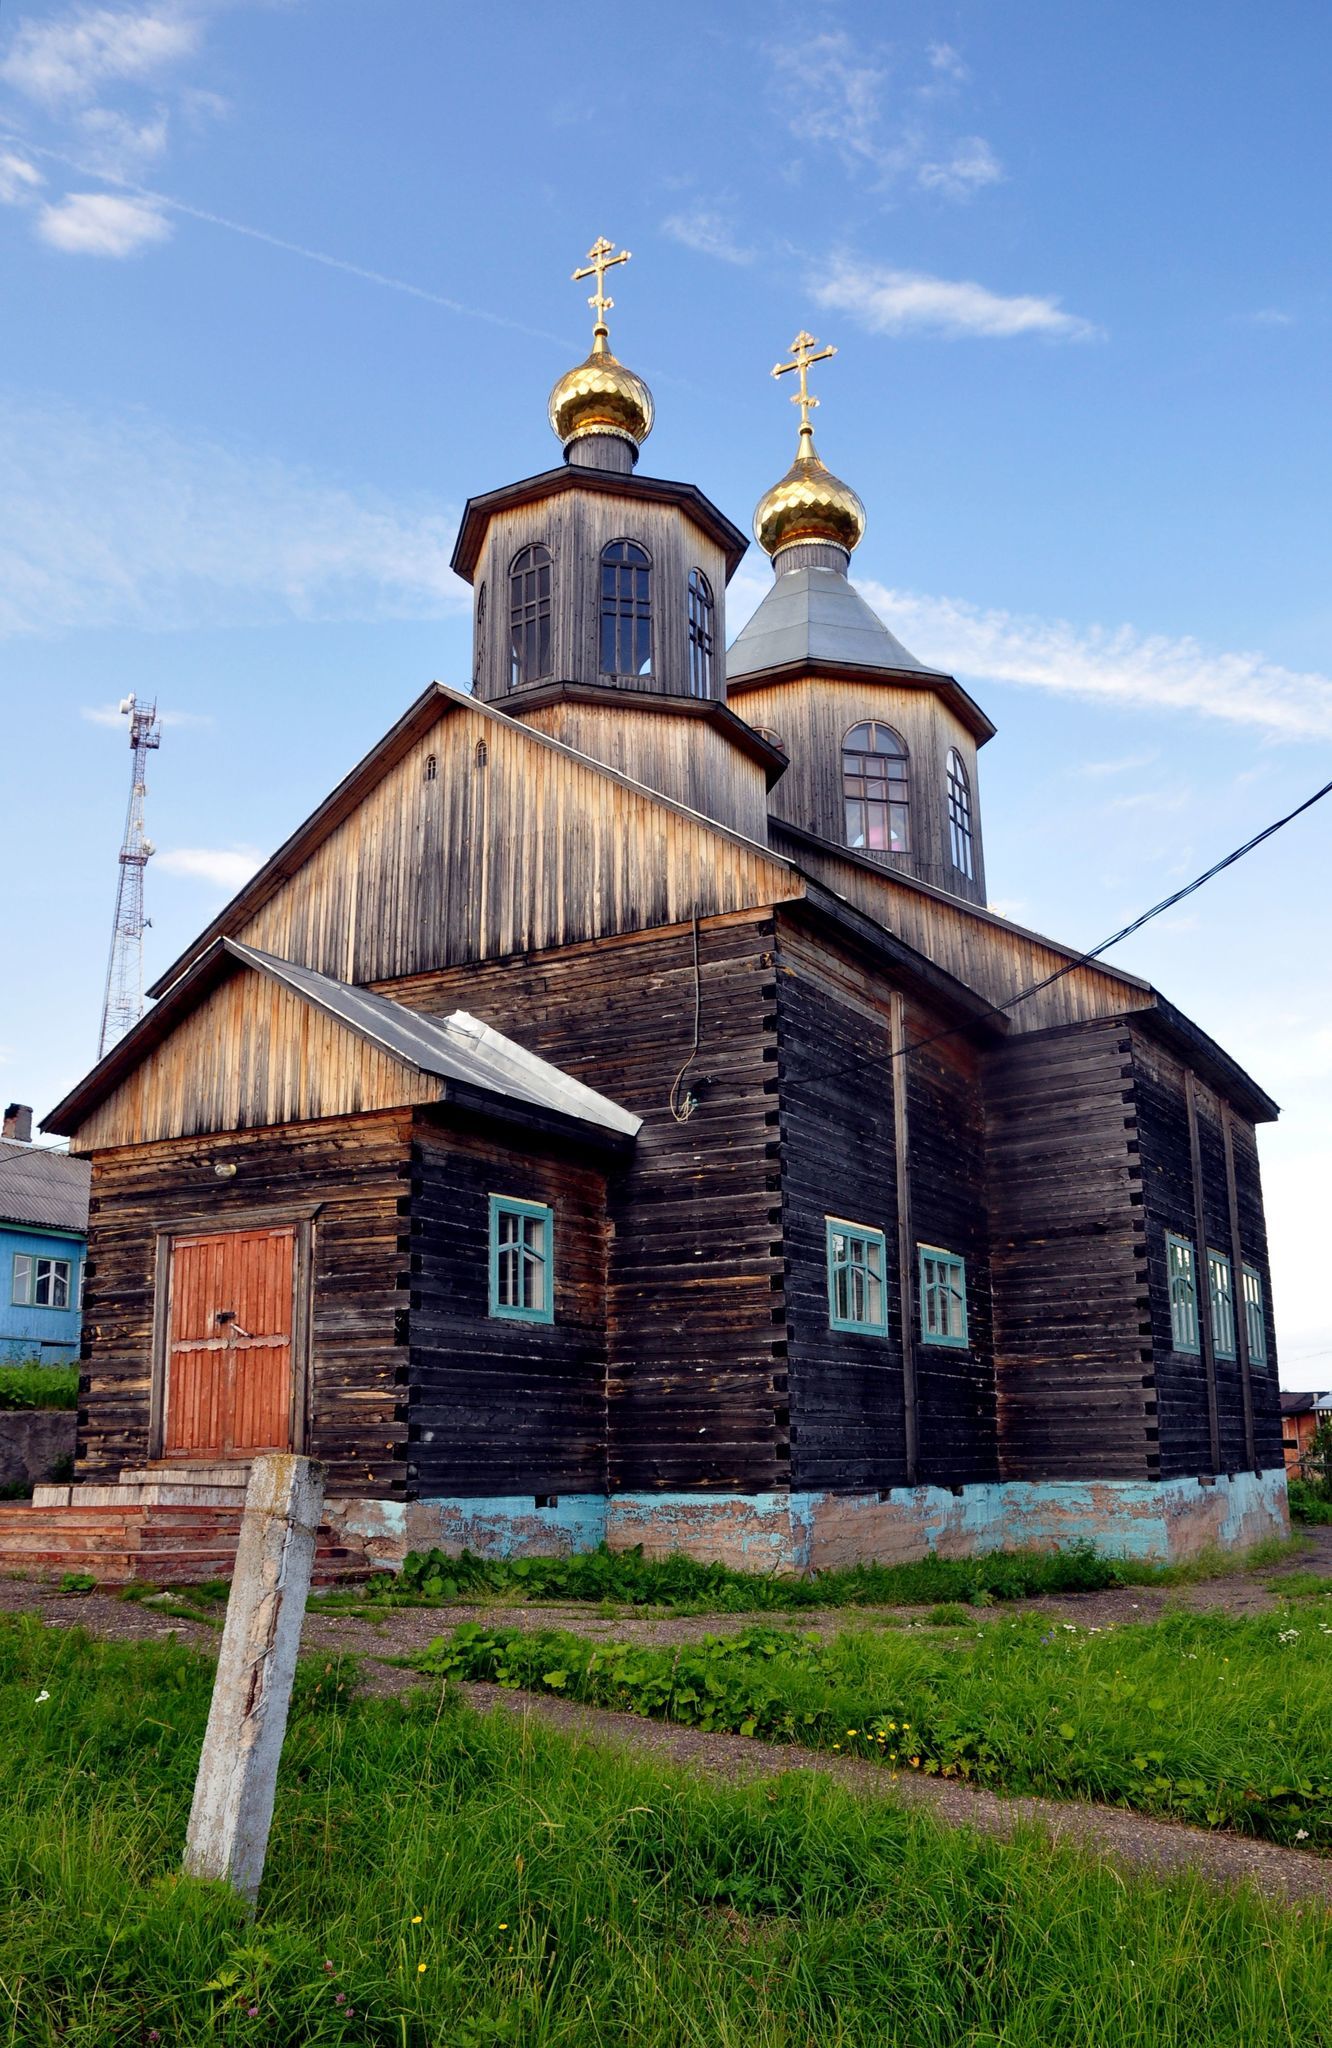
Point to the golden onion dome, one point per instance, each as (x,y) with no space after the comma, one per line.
(600,396)
(809,503)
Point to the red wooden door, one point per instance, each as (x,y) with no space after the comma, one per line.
(229,1345)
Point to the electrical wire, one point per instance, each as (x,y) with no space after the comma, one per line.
(683,1108)
(1082,959)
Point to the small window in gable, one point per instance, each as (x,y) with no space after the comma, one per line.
(431,769)
(959,816)
(522,1255)
(626,609)
(875,789)
(1221,1297)
(1181,1274)
(857,1285)
(1255,1322)
(701,634)
(943,1297)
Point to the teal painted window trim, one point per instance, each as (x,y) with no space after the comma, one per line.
(33,1274)
(943,1298)
(1182,1274)
(1255,1322)
(1221,1299)
(522,1260)
(857,1278)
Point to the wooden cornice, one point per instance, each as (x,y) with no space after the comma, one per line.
(945,687)
(537,696)
(478,512)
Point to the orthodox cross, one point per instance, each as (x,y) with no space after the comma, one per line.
(804,350)
(599,261)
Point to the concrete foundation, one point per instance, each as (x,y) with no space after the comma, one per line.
(34,1442)
(1163,1522)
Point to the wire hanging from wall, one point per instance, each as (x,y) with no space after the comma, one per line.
(682,1107)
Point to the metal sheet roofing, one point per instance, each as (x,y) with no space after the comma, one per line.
(42,1187)
(818,615)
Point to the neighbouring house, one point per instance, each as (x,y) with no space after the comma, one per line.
(615,1112)
(43,1230)
(1301,1413)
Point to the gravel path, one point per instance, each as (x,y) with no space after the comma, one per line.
(1129,1839)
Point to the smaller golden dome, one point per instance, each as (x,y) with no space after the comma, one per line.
(601,397)
(809,503)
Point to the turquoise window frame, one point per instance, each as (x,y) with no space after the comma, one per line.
(1255,1318)
(875,1244)
(1221,1304)
(514,1205)
(948,1282)
(1185,1325)
(28,1299)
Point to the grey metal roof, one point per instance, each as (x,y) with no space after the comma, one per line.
(42,1187)
(818,615)
(457,1048)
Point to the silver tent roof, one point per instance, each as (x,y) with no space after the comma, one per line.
(43,1187)
(817,615)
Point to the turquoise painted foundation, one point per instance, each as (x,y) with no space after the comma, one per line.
(1163,1521)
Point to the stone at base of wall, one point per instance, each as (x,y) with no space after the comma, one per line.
(34,1442)
(1162,1521)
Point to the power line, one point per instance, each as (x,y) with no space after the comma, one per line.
(1082,959)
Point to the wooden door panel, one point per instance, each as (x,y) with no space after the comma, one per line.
(229,1344)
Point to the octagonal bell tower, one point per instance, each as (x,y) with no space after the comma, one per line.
(600,598)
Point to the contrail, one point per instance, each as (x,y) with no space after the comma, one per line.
(240,227)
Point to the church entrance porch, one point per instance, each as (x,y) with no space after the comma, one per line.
(226,1370)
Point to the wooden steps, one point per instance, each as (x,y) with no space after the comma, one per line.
(165,1543)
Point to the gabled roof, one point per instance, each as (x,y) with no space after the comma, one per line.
(474,1064)
(397,742)
(815,622)
(1306,1403)
(42,1187)
(478,512)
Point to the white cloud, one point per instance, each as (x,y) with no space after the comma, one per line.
(19,180)
(890,301)
(1123,766)
(102,224)
(834,94)
(123,522)
(223,867)
(1118,663)
(944,59)
(1267,316)
(116,143)
(971,165)
(708,232)
(69,59)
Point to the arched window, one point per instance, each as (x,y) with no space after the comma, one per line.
(626,610)
(479,638)
(529,616)
(701,634)
(875,789)
(959,816)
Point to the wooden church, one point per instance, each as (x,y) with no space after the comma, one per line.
(614,1113)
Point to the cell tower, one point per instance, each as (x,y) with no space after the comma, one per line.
(122,1004)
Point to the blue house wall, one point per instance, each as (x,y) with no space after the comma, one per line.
(52,1335)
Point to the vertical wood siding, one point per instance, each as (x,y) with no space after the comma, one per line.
(251,1054)
(694,1303)
(811,718)
(575,526)
(1072,1341)
(500,1407)
(683,758)
(229,1386)
(358,1171)
(511,846)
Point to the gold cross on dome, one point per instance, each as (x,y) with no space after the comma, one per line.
(599,261)
(804,350)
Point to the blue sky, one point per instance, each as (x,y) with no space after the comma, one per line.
(284,283)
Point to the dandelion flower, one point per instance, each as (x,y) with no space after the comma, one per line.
(504,1926)
(417,1919)
(420,1969)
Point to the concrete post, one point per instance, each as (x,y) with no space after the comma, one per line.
(233,1795)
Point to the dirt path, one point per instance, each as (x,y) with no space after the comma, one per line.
(1131,1840)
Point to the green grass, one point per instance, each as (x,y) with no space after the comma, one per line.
(39,1386)
(567,1897)
(685,1585)
(1214,1719)
(1308,1503)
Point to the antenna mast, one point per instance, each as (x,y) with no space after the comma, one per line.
(122,1004)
